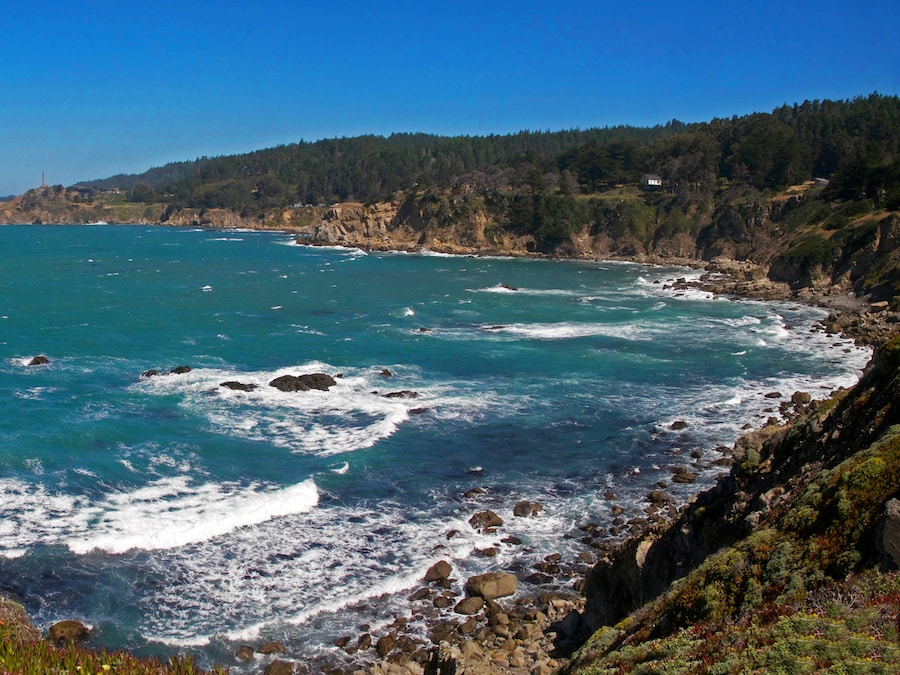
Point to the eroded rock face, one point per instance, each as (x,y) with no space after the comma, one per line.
(290,383)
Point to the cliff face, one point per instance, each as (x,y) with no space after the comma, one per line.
(793,239)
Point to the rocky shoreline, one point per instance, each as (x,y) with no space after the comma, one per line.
(449,627)
(535,630)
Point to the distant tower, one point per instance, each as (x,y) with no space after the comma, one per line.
(43,183)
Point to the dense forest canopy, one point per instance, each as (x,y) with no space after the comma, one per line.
(853,142)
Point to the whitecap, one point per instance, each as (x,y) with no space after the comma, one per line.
(165,514)
(206,289)
(342,469)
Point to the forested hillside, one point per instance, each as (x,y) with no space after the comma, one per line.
(854,142)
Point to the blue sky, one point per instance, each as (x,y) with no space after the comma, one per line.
(95,88)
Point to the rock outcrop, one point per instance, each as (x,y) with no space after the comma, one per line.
(291,383)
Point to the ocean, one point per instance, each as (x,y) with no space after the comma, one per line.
(173,514)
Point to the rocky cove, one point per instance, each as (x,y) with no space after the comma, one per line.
(533,633)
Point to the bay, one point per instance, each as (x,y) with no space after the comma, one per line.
(176,514)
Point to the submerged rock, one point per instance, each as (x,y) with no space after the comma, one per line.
(39,360)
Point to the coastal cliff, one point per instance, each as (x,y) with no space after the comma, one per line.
(807,525)
(805,515)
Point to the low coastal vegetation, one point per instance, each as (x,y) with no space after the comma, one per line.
(23,652)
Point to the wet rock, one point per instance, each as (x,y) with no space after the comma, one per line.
(341,642)
(773,394)
(239,386)
(474,493)
(801,398)
(442,602)
(539,578)
(291,383)
(438,572)
(245,652)
(527,509)
(511,540)
(678,425)
(421,594)
(68,632)
(469,606)
(364,642)
(279,667)
(492,585)
(39,360)
(180,370)
(658,497)
(485,521)
(385,645)
(402,394)
(153,372)
(271,648)
(684,476)
(386,373)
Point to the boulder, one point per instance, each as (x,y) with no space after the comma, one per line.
(244,653)
(68,632)
(180,370)
(402,394)
(438,572)
(385,645)
(527,509)
(239,386)
(678,425)
(153,372)
(659,497)
(271,648)
(485,521)
(801,398)
(492,585)
(279,667)
(289,383)
(39,360)
(469,606)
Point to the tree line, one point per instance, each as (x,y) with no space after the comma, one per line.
(853,142)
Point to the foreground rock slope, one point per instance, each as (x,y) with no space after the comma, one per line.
(804,527)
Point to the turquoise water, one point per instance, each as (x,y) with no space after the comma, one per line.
(172,513)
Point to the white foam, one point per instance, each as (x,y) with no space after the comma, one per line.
(345,418)
(568,330)
(165,514)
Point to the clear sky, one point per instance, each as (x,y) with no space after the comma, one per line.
(92,88)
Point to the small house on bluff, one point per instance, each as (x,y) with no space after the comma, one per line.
(650,181)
